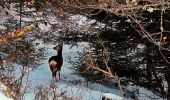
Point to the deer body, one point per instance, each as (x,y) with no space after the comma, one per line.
(55,62)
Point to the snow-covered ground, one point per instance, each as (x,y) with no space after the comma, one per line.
(42,75)
(3,92)
(93,91)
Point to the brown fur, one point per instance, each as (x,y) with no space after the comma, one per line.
(53,65)
(56,62)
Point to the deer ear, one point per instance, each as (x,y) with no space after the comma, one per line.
(56,47)
(61,42)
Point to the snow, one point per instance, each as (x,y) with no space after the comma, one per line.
(3,97)
(2,27)
(94,91)
(3,88)
(142,93)
(44,28)
(2,14)
(106,96)
(79,88)
(141,46)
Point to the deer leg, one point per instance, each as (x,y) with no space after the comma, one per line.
(54,75)
(59,74)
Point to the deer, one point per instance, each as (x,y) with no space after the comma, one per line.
(56,62)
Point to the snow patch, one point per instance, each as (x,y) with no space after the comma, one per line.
(109,96)
(3,88)
(43,27)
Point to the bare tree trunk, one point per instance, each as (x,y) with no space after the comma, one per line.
(167,78)
(159,82)
(149,65)
(20,13)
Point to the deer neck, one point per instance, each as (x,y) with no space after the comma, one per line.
(60,51)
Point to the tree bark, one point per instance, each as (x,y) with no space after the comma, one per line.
(149,65)
(167,78)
